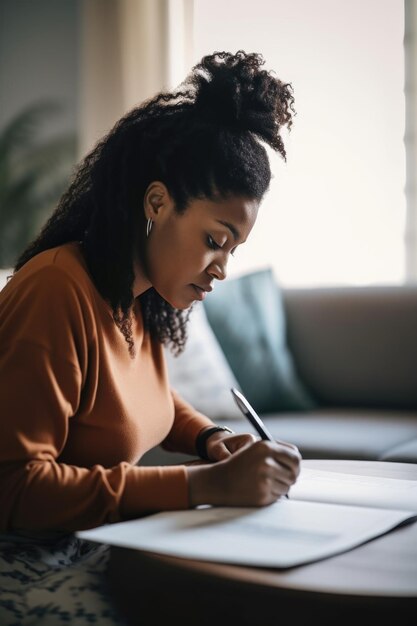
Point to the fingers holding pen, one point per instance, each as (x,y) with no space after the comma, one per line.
(255,475)
(222,445)
(279,473)
(288,456)
(280,463)
(269,469)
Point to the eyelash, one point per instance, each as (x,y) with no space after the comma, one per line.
(212,244)
(215,246)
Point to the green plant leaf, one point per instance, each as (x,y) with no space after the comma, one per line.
(34,172)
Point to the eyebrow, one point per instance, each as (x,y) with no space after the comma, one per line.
(232,229)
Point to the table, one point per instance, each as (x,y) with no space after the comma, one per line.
(375,583)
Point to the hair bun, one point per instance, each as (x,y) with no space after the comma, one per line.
(233,90)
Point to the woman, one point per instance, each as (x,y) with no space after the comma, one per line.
(144,230)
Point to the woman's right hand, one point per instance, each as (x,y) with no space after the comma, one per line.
(256,475)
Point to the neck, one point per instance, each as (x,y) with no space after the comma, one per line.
(141,282)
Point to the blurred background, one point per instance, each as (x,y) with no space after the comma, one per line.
(342,209)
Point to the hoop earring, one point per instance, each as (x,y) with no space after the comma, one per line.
(149,224)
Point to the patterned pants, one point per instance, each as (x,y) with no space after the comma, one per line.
(49,580)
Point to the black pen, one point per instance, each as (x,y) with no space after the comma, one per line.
(250,413)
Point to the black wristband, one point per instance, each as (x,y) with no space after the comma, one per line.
(201,441)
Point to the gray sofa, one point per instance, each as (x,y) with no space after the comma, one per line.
(355,352)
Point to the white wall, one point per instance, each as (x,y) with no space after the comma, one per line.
(335,213)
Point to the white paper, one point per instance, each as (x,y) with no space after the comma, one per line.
(371,491)
(284,534)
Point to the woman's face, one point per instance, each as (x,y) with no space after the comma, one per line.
(187,252)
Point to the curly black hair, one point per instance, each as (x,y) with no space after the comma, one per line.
(203,140)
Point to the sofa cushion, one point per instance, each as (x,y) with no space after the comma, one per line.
(338,433)
(355,346)
(405,452)
(246,314)
(201,373)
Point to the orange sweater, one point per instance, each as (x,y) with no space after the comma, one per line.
(76,411)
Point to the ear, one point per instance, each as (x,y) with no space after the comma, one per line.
(157,200)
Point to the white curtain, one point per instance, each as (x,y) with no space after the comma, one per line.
(130,50)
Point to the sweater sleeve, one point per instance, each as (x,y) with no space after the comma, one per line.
(40,391)
(187,424)
(38,492)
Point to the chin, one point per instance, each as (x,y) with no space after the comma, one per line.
(176,303)
(182,306)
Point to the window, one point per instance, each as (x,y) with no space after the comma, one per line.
(335,212)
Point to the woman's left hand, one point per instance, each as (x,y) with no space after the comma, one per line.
(222,444)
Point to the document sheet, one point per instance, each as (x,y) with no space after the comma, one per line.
(327,513)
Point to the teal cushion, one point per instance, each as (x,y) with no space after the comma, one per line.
(248,318)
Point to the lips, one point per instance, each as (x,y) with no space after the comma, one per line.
(202,291)
(207,288)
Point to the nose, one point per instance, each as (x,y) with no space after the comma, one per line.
(217,270)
